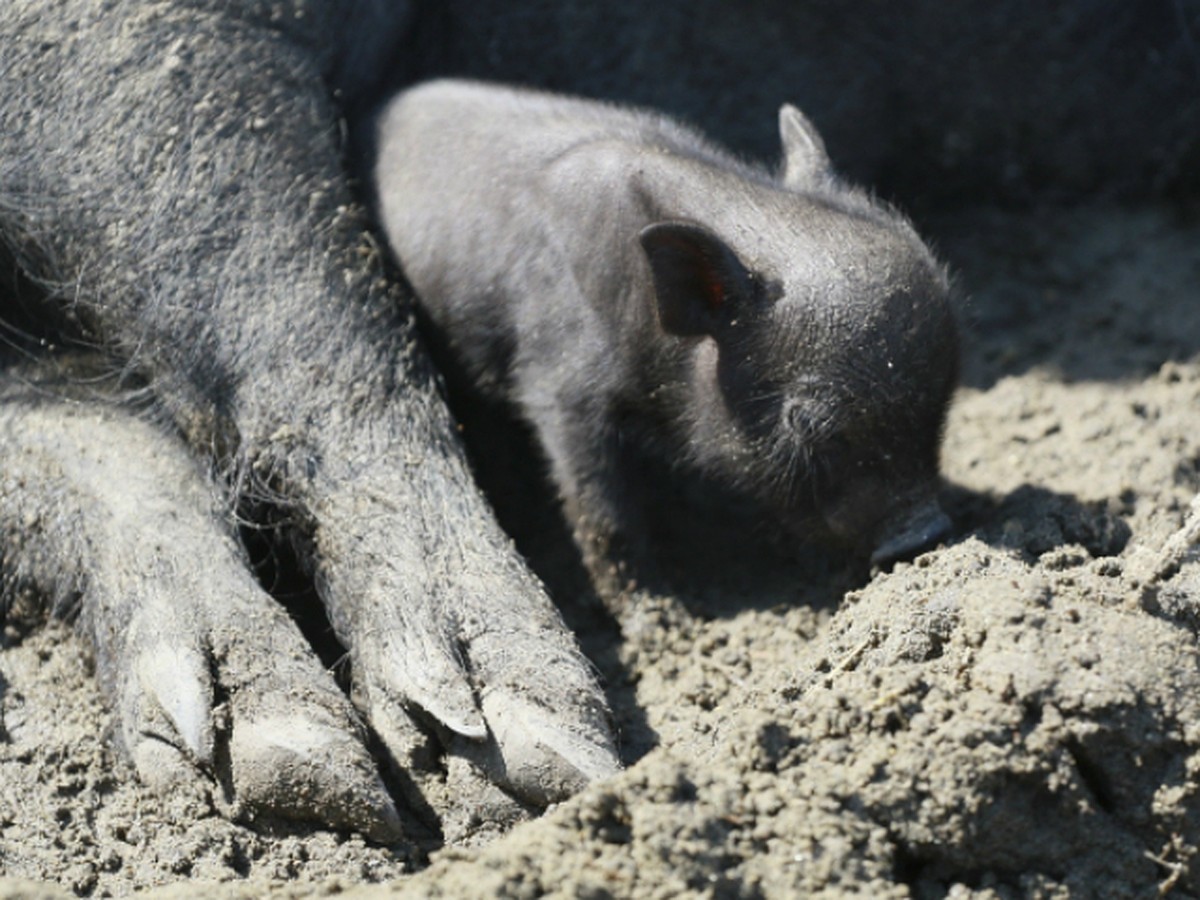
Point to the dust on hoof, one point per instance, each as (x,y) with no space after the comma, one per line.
(208,677)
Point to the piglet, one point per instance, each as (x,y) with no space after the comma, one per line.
(639,293)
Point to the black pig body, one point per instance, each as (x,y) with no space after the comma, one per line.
(638,292)
(172,191)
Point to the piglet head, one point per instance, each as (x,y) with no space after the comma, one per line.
(820,388)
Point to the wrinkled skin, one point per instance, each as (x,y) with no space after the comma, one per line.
(172,177)
(636,291)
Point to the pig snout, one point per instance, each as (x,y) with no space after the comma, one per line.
(891,529)
(915,530)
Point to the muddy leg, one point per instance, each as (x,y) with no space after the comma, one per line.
(207,675)
(178,168)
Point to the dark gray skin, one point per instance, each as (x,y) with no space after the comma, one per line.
(636,291)
(171,175)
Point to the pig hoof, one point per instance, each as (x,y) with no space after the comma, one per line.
(207,676)
(167,704)
(238,698)
(537,727)
(537,755)
(292,766)
(480,654)
(211,681)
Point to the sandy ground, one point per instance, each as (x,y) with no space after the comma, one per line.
(1014,714)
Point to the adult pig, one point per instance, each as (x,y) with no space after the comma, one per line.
(638,293)
(172,188)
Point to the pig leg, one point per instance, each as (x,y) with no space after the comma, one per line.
(112,520)
(173,172)
(600,481)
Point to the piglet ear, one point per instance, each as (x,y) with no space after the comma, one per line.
(699,283)
(804,153)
